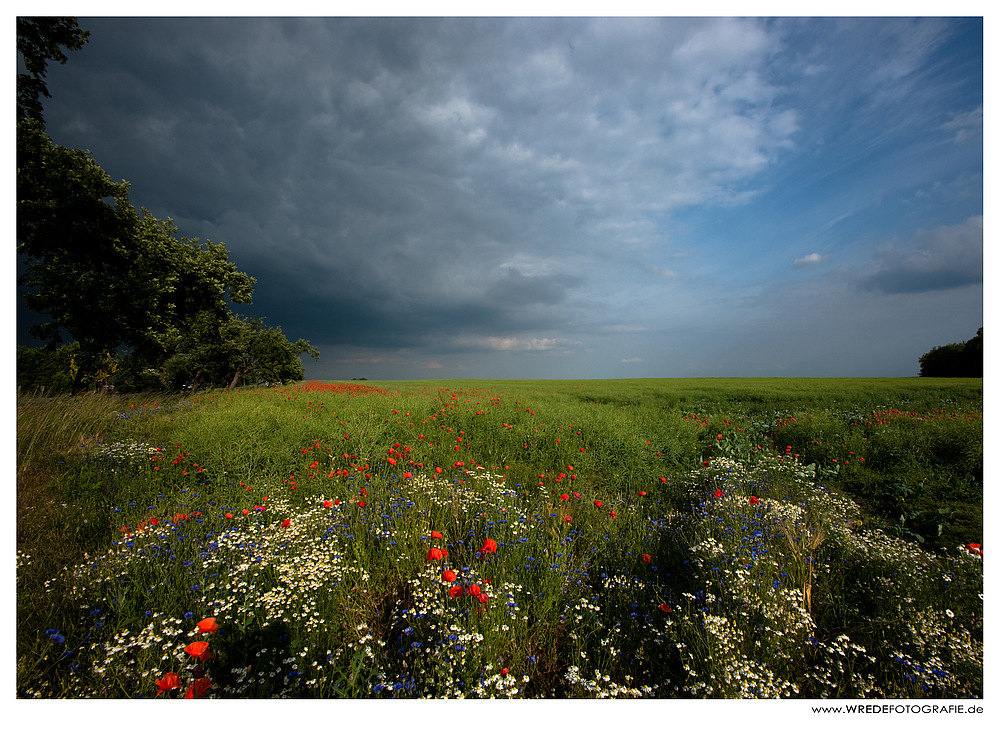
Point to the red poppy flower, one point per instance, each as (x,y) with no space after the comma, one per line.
(456,591)
(434,554)
(597,503)
(564,497)
(449,576)
(754,500)
(435,535)
(483,598)
(613,515)
(208,626)
(361,503)
(504,671)
(198,650)
(327,504)
(169,682)
(642,493)
(567,518)
(718,493)
(647,558)
(199,689)
(286,523)
(489,546)
(229,515)
(665,608)
(473,590)
(392,461)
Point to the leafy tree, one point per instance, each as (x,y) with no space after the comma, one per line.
(130,293)
(72,233)
(39,41)
(955,359)
(233,351)
(102,272)
(45,369)
(273,358)
(176,283)
(972,355)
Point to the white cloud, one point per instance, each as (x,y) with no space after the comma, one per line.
(966,125)
(520,344)
(811,260)
(632,360)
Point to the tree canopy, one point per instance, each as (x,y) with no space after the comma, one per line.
(955,359)
(120,281)
(39,41)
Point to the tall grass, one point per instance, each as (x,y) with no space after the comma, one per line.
(649,539)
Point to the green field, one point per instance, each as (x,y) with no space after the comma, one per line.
(662,538)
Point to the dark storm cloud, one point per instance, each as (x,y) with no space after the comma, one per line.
(944,258)
(406,190)
(392,162)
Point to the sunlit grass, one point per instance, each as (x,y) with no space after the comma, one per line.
(585,549)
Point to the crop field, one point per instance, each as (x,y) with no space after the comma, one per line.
(661,538)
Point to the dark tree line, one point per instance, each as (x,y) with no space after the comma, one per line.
(142,307)
(955,359)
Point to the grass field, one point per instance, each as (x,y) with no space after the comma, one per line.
(738,538)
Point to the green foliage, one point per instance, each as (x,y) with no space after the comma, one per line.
(121,283)
(39,41)
(102,272)
(67,269)
(955,359)
(302,517)
(234,350)
(45,370)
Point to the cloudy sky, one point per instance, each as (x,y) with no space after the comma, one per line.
(473,198)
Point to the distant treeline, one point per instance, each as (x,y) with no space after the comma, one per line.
(955,359)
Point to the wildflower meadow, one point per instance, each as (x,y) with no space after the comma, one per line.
(733,539)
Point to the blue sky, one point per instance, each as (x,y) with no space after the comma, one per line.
(476,198)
